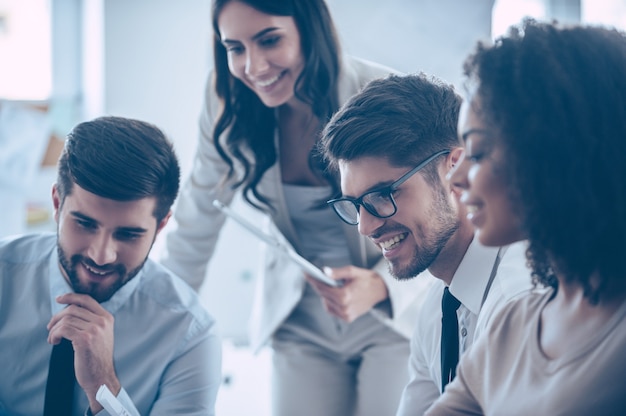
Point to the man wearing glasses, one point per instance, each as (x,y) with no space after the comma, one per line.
(393,145)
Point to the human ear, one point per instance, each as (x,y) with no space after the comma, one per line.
(164,222)
(56,202)
(453,163)
(454,158)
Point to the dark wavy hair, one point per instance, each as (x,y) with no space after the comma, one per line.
(251,123)
(556,99)
(402,118)
(120,159)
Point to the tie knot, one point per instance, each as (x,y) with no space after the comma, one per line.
(449,304)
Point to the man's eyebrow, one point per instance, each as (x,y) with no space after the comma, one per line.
(255,37)
(82,216)
(136,230)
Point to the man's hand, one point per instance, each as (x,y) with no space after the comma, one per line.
(90,329)
(361,290)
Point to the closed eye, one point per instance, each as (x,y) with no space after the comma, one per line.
(85,224)
(475,158)
(123,235)
(378,196)
(270,42)
(233,47)
(235,50)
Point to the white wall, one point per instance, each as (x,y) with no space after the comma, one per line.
(432,36)
(155,60)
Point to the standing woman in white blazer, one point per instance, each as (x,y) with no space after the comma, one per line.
(278,77)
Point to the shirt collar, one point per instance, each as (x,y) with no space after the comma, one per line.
(59,286)
(472,276)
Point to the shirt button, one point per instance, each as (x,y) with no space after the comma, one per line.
(463,332)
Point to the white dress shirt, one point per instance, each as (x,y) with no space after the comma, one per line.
(486,279)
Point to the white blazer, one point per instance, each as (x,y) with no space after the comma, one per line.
(191,242)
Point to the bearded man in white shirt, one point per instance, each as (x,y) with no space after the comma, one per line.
(393,145)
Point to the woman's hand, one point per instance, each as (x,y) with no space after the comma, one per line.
(361,290)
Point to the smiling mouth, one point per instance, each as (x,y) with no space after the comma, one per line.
(268,82)
(97,272)
(392,242)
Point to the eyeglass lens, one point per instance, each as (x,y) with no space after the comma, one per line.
(378,204)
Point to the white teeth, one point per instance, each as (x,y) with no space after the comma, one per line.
(95,271)
(268,82)
(386,245)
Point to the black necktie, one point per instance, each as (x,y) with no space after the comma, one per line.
(449,337)
(61,378)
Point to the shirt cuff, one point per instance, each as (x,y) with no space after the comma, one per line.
(124,399)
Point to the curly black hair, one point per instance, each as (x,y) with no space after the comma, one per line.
(556,97)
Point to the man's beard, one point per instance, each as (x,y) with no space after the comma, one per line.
(445,223)
(94,290)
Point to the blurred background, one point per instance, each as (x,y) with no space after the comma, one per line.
(66,61)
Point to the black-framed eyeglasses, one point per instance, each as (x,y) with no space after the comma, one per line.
(379,202)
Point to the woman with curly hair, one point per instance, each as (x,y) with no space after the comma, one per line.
(544,130)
